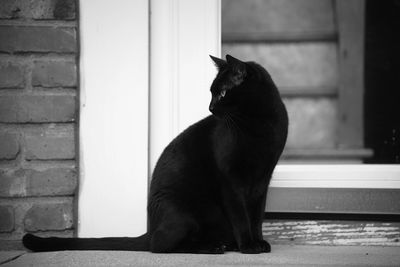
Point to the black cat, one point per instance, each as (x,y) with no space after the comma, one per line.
(209,187)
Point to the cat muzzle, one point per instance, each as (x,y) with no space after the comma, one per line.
(212,108)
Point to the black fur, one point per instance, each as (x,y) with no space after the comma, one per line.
(209,186)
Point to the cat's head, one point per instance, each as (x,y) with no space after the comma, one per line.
(239,87)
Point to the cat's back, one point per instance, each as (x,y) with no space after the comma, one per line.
(183,171)
(189,149)
(197,136)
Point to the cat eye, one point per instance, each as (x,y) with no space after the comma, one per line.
(222,94)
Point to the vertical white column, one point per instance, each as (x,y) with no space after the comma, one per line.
(113,117)
(183,35)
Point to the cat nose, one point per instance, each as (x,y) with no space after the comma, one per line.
(212,104)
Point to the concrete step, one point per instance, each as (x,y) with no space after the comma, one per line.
(280,256)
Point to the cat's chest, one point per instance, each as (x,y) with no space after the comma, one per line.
(235,152)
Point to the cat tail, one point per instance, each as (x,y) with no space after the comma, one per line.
(38,244)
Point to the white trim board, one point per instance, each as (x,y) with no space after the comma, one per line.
(113,117)
(337,176)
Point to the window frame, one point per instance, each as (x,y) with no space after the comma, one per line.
(378,176)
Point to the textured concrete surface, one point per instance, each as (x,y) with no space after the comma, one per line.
(280,256)
(7,256)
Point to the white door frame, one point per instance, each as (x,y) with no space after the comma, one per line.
(183,35)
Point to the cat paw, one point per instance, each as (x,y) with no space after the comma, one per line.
(251,248)
(232,247)
(265,246)
(218,250)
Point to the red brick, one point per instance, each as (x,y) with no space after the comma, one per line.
(38,9)
(54,73)
(53,181)
(49,216)
(12,183)
(11,75)
(64,9)
(50,143)
(37,39)
(9,146)
(37,108)
(7,219)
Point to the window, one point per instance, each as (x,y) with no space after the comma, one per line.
(323,55)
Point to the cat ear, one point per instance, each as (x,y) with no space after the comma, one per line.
(231,60)
(219,63)
(239,68)
(236,63)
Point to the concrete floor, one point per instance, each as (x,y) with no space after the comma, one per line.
(280,256)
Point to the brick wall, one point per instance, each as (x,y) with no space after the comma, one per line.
(38,111)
